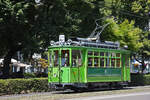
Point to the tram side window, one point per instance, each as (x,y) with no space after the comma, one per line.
(107,62)
(76,58)
(101,53)
(50,59)
(90,53)
(96,53)
(102,59)
(102,62)
(90,61)
(56,58)
(113,55)
(118,64)
(65,58)
(108,55)
(113,62)
(96,61)
(118,55)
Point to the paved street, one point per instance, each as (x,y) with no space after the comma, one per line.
(128,93)
(130,96)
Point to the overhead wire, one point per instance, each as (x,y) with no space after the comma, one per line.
(127,12)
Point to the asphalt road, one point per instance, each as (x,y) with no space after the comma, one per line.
(128,93)
(130,96)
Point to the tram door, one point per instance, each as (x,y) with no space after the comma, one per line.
(55,66)
(76,66)
(127,64)
(126,67)
(64,69)
(61,62)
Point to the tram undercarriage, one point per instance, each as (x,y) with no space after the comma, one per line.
(87,86)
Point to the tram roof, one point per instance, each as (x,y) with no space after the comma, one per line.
(89,48)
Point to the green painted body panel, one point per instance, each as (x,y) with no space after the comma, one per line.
(65,75)
(94,72)
(104,74)
(55,75)
(128,74)
(50,74)
(75,73)
(105,79)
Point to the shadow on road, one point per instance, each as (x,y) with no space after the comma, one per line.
(91,90)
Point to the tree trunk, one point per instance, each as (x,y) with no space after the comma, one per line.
(7,60)
(143,63)
(143,66)
(6,68)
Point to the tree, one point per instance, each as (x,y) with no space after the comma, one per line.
(137,11)
(125,33)
(69,17)
(29,27)
(16,20)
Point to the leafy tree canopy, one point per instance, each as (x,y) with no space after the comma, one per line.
(125,33)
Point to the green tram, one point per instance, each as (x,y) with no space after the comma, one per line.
(82,64)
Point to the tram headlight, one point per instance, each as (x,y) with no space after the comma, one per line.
(52,43)
(69,41)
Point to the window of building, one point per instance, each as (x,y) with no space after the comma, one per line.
(65,58)
(56,58)
(76,58)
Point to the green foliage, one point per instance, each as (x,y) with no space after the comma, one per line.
(29,75)
(140,79)
(130,35)
(16,86)
(126,33)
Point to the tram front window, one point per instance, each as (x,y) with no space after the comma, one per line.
(65,58)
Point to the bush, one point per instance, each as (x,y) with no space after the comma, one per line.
(41,74)
(147,79)
(17,86)
(140,79)
(29,75)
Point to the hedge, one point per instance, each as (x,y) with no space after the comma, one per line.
(140,79)
(17,86)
